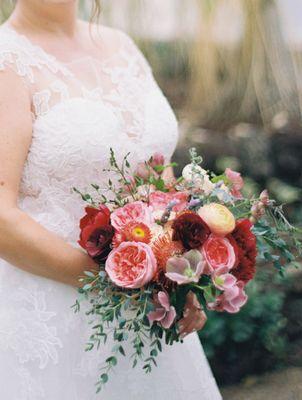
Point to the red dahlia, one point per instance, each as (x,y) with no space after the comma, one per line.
(190,229)
(244,242)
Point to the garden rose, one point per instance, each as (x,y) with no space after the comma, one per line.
(247,251)
(131,265)
(136,211)
(218,218)
(160,200)
(96,232)
(219,253)
(190,230)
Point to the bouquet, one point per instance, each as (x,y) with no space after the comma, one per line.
(170,251)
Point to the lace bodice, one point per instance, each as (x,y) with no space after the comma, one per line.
(81,109)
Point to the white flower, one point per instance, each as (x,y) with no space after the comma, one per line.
(199,177)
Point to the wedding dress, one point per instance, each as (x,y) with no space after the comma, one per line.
(81,109)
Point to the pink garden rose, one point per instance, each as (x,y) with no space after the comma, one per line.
(219,253)
(236,181)
(131,265)
(160,200)
(136,211)
(164,313)
(231,300)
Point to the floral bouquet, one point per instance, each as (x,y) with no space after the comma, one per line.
(168,250)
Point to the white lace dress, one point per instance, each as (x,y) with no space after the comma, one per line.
(80,110)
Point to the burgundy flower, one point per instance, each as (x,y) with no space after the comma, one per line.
(96,232)
(244,242)
(191,230)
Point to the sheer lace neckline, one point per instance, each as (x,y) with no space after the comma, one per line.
(52,59)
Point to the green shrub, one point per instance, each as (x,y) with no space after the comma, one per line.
(251,341)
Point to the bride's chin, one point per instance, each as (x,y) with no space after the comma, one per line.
(58,1)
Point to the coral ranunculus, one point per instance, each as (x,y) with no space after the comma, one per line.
(219,218)
(131,265)
(96,232)
(190,230)
(219,252)
(247,251)
(136,211)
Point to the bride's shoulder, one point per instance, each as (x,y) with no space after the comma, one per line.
(109,38)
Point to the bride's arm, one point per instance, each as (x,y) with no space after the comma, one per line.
(23,242)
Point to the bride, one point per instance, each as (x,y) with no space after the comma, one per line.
(68,92)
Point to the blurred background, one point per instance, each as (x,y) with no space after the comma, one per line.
(232,71)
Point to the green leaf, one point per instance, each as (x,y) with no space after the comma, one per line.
(104,378)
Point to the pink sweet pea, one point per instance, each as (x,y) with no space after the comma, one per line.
(136,211)
(131,265)
(160,200)
(236,181)
(164,313)
(219,253)
(187,268)
(231,300)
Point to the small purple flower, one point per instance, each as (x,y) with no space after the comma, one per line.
(164,313)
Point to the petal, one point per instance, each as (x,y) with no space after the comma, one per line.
(194,257)
(231,293)
(229,281)
(178,278)
(156,315)
(163,298)
(169,318)
(201,268)
(177,265)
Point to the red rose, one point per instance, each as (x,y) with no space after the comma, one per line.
(246,250)
(191,230)
(96,232)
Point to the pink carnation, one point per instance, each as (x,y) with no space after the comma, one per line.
(131,265)
(160,200)
(136,211)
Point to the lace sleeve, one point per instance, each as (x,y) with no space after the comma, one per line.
(132,48)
